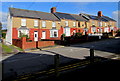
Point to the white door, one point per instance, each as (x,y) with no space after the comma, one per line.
(67,31)
(35,36)
(43,35)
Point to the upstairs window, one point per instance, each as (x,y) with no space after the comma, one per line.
(23,22)
(43,23)
(74,24)
(100,24)
(93,23)
(35,23)
(53,24)
(66,23)
(105,24)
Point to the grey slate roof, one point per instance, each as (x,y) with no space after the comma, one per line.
(23,28)
(103,18)
(69,16)
(32,14)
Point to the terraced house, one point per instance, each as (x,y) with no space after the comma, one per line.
(100,23)
(39,25)
(70,23)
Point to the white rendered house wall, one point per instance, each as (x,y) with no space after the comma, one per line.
(9,31)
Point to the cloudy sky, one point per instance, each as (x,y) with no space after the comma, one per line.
(108,8)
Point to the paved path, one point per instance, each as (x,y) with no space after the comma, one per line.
(38,60)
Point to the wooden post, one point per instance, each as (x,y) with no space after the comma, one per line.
(56,63)
(92,55)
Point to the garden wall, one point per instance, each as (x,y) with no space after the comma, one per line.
(22,43)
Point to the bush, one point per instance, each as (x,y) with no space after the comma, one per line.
(77,35)
(25,36)
(118,31)
(3,35)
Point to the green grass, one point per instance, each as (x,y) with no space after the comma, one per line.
(9,49)
(6,49)
(17,48)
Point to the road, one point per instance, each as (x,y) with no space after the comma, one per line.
(22,63)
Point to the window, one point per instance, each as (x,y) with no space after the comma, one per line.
(111,28)
(110,23)
(23,32)
(74,24)
(106,29)
(67,31)
(66,23)
(23,22)
(53,33)
(93,23)
(43,23)
(35,23)
(53,24)
(100,24)
(93,29)
(105,24)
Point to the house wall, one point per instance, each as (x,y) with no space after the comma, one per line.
(30,24)
(9,30)
(16,23)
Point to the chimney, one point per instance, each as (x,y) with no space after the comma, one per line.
(100,14)
(53,9)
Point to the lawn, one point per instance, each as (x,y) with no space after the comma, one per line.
(10,48)
(6,49)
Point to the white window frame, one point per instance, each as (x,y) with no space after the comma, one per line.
(43,23)
(100,24)
(35,23)
(23,22)
(52,33)
(53,24)
(67,31)
(24,32)
(93,29)
(66,23)
(106,29)
(93,22)
(105,24)
(74,24)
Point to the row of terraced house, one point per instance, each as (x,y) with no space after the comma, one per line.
(42,25)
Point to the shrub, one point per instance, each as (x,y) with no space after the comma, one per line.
(118,31)
(3,35)
(27,37)
(78,35)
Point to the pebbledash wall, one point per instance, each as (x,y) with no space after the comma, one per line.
(23,44)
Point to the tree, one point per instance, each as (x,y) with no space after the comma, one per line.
(0,29)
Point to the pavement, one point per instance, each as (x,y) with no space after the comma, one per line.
(37,60)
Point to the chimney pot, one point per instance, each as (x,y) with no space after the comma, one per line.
(100,13)
(53,9)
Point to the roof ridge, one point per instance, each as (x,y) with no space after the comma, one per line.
(67,13)
(30,10)
(88,14)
